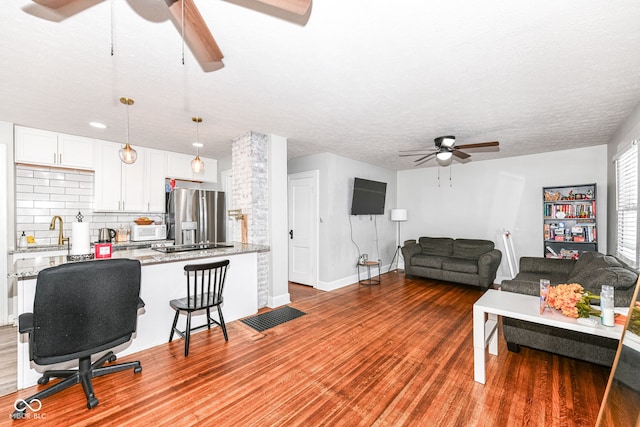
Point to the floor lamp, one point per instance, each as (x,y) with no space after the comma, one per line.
(397,215)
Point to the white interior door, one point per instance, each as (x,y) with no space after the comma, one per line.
(303,227)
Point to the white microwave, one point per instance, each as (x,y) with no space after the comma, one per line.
(148,232)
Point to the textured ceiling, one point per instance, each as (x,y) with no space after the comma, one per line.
(358,78)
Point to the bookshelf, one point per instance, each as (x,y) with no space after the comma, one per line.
(569,224)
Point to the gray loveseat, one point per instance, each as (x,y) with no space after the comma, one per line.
(591,270)
(468,261)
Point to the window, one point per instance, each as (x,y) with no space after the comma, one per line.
(627,205)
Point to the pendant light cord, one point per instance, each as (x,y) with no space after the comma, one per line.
(111,9)
(182,4)
(127,122)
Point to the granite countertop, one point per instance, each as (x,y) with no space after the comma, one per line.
(116,246)
(29,268)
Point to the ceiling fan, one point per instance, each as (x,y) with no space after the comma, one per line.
(444,151)
(196,33)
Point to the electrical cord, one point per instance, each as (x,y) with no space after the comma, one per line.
(351,236)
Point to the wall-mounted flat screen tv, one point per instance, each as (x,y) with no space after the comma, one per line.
(368,197)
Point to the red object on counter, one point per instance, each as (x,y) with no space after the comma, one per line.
(103,250)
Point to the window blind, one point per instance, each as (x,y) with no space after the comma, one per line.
(627,205)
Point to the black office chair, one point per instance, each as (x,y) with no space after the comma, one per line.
(204,291)
(81,309)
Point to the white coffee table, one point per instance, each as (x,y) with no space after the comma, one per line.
(496,303)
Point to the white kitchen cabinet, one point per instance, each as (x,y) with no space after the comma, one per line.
(156,168)
(41,147)
(118,186)
(179,167)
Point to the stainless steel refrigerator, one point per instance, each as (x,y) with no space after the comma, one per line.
(196,216)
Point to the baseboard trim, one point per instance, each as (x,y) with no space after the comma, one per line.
(345,281)
(279,300)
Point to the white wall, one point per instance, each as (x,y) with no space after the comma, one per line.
(621,140)
(487,197)
(338,255)
(278,237)
(6,224)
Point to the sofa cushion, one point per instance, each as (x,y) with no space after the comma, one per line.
(460,265)
(442,246)
(584,259)
(430,261)
(618,277)
(471,248)
(603,270)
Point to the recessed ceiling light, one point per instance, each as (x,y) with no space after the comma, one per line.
(198,144)
(98,125)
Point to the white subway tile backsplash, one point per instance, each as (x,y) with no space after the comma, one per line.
(32,211)
(65,197)
(79,191)
(65,184)
(49,190)
(22,172)
(48,174)
(33,181)
(79,176)
(24,188)
(83,206)
(31,196)
(24,203)
(42,204)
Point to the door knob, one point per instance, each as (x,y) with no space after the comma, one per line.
(291,234)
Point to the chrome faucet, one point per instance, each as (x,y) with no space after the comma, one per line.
(52,226)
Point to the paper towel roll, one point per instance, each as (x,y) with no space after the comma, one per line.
(80,238)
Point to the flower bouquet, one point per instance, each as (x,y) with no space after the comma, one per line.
(572,300)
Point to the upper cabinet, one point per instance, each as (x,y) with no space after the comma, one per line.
(41,147)
(138,187)
(155,174)
(179,167)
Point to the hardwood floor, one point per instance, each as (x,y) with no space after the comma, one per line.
(8,359)
(396,354)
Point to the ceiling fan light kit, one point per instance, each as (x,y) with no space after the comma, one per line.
(445,150)
(127,154)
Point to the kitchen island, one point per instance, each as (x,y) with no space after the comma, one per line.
(162,279)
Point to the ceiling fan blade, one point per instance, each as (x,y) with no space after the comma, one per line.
(196,33)
(461,155)
(54,4)
(422,153)
(299,7)
(479,145)
(424,159)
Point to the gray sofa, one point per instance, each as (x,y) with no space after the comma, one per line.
(468,261)
(591,270)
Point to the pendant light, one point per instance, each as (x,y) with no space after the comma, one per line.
(197,165)
(127,154)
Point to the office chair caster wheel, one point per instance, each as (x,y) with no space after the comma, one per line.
(137,370)
(112,358)
(43,380)
(92,402)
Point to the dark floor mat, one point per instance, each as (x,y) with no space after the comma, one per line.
(272,318)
